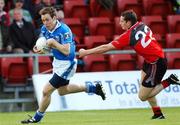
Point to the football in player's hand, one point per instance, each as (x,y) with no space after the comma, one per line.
(41,45)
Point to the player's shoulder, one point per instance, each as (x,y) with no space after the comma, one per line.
(137,25)
(141,25)
(64,27)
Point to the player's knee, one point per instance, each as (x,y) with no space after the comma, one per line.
(45,93)
(142,98)
(61,93)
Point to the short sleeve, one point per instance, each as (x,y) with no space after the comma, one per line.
(67,35)
(122,41)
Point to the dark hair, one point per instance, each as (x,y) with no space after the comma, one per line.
(129,15)
(58,7)
(48,10)
(22,1)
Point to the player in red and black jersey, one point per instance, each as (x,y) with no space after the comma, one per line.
(140,37)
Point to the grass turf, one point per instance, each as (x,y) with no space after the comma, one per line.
(97,117)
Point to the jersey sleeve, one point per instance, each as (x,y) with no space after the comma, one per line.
(121,42)
(67,35)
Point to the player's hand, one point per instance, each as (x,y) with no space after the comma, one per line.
(37,51)
(82,53)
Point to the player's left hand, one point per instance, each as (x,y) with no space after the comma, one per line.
(82,53)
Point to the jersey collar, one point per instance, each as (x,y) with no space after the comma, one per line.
(58,24)
(132,27)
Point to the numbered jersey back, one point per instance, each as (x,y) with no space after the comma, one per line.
(142,40)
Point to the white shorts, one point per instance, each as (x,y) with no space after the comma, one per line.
(64,68)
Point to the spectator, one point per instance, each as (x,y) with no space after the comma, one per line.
(96,5)
(8,5)
(59,2)
(22,33)
(37,18)
(4,24)
(28,5)
(38,5)
(19,5)
(59,13)
(107,4)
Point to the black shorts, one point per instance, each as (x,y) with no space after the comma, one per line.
(154,72)
(56,81)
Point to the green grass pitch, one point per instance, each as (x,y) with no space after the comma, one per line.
(97,117)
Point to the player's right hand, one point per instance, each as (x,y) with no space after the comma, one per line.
(82,53)
(37,51)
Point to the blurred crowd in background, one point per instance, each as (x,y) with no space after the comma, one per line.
(20,21)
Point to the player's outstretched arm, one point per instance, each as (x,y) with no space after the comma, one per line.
(97,50)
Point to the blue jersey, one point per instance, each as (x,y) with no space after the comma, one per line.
(62,34)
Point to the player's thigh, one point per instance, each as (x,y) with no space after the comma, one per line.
(143,92)
(143,74)
(48,89)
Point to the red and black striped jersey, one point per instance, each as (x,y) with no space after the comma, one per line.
(140,38)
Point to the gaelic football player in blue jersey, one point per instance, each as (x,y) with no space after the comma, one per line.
(60,39)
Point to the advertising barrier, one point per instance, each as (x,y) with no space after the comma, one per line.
(121,91)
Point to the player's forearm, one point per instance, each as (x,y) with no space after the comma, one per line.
(63,49)
(98,50)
